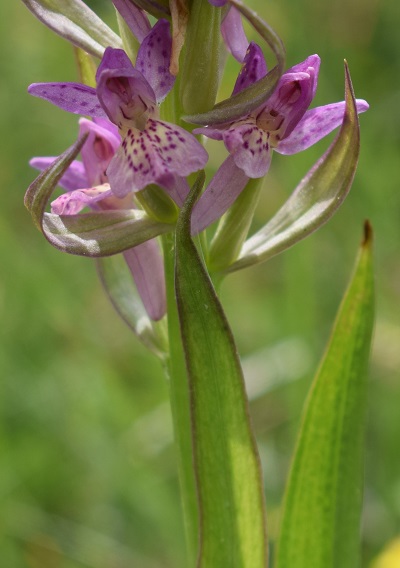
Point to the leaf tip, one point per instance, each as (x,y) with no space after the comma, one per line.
(368,235)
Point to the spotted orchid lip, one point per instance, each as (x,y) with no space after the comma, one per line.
(158,153)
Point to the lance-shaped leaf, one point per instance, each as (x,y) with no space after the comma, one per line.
(321,517)
(90,234)
(118,283)
(255,95)
(229,483)
(76,22)
(316,198)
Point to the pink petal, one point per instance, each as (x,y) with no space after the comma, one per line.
(214,133)
(254,68)
(98,150)
(136,18)
(233,33)
(289,102)
(223,189)
(313,61)
(179,190)
(147,268)
(154,57)
(74,201)
(74,177)
(249,146)
(72,97)
(315,124)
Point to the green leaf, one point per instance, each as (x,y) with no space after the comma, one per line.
(316,198)
(321,516)
(89,234)
(229,481)
(118,283)
(76,22)
(255,95)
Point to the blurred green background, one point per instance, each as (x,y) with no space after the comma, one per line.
(87,467)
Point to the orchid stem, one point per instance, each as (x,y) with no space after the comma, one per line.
(180,406)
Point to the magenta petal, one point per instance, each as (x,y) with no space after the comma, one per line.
(98,150)
(179,190)
(122,90)
(249,146)
(146,265)
(74,201)
(218,3)
(72,97)
(154,57)
(210,132)
(233,33)
(254,68)
(314,62)
(136,18)
(74,178)
(107,125)
(315,124)
(289,102)
(154,155)
(223,189)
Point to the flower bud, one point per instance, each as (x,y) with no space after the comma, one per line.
(157,203)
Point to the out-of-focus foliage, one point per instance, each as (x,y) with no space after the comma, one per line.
(88,474)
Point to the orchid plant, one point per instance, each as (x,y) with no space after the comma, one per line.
(138,202)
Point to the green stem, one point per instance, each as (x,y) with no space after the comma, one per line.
(180,406)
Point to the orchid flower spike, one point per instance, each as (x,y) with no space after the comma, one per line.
(283,123)
(151,151)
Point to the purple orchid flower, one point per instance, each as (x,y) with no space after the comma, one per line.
(86,185)
(152,151)
(283,123)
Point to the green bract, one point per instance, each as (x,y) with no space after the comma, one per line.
(76,22)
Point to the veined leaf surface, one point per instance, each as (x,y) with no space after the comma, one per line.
(229,483)
(322,509)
